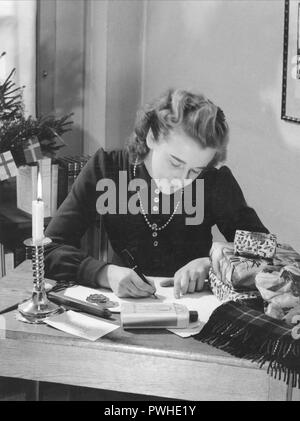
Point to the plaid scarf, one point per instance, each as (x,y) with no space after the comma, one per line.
(243,330)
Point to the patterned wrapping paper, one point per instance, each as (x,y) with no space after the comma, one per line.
(254,244)
(238,273)
(285,255)
(281,291)
(225,292)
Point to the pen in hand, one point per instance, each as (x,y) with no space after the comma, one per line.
(129,259)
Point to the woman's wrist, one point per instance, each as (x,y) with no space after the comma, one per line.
(103,275)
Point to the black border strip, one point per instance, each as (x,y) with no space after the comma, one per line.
(284,70)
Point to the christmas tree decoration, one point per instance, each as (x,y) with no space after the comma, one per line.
(27,138)
(11,104)
(32,150)
(8,167)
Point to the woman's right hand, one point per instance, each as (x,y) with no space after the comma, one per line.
(124,282)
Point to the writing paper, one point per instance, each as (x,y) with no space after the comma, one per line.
(78,324)
(202,302)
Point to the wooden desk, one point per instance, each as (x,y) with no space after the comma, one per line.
(156,363)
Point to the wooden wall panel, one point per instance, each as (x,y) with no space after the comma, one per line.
(114,34)
(95,76)
(45,57)
(90,62)
(60,64)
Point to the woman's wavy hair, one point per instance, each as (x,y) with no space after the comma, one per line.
(199,117)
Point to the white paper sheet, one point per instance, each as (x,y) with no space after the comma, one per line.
(202,302)
(48,286)
(78,324)
(193,329)
(81,293)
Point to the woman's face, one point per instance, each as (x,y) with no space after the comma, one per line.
(176,159)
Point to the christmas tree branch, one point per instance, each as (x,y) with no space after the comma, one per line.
(16,129)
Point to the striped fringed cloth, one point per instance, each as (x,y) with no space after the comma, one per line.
(244,331)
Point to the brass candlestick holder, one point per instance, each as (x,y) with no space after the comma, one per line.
(38,307)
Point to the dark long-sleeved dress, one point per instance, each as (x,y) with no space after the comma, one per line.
(173,247)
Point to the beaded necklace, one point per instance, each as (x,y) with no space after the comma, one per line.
(154,227)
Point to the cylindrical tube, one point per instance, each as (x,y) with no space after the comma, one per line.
(156,315)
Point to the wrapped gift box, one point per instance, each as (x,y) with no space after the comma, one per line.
(238,273)
(225,292)
(254,244)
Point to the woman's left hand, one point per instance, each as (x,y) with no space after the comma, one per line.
(189,278)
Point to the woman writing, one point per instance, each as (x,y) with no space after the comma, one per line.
(178,139)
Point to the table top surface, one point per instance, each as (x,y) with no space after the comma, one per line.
(17,285)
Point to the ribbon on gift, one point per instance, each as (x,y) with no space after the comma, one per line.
(32,150)
(8,167)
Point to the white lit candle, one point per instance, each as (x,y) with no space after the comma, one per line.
(38,212)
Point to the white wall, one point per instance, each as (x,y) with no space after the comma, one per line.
(17,39)
(113,72)
(232,51)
